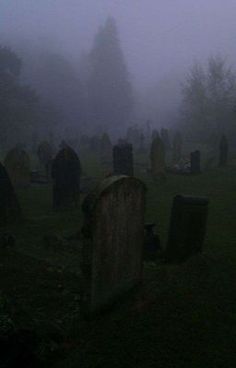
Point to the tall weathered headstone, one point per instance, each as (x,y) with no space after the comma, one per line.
(187,227)
(195,162)
(113,241)
(45,156)
(17,164)
(123,159)
(223,158)
(177,147)
(157,157)
(66,172)
(9,207)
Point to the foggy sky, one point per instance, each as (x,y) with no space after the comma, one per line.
(159,37)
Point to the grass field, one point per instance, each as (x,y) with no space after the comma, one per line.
(182,316)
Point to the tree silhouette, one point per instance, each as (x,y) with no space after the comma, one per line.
(109,89)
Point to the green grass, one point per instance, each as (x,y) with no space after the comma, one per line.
(182,316)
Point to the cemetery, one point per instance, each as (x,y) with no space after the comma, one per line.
(117,184)
(130,262)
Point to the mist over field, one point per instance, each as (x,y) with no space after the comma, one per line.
(160,41)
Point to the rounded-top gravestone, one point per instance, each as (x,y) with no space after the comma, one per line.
(66,172)
(113,236)
(17,164)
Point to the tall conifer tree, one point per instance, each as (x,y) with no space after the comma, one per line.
(109,89)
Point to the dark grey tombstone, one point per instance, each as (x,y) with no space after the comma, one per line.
(9,207)
(195,159)
(187,227)
(113,235)
(223,151)
(158,157)
(66,172)
(123,159)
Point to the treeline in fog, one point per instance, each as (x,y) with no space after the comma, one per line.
(47,95)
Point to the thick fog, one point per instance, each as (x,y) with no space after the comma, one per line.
(160,40)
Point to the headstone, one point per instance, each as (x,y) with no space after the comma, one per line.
(157,157)
(113,234)
(45,156)
(195,159)
(66,171)
(187,227)
(123,159)
(17,164)
(177,148)
(9,207)
(223,151)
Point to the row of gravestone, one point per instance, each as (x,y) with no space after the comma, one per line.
(113,238)
(113,234)
(158,157)
(17,161)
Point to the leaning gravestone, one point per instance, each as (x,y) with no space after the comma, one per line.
(123,159)
(66,172)
(223,151)
(113,235)
(17,164)
(45,156)
(157,157)
(187,227)
(195,162)
(9,207)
